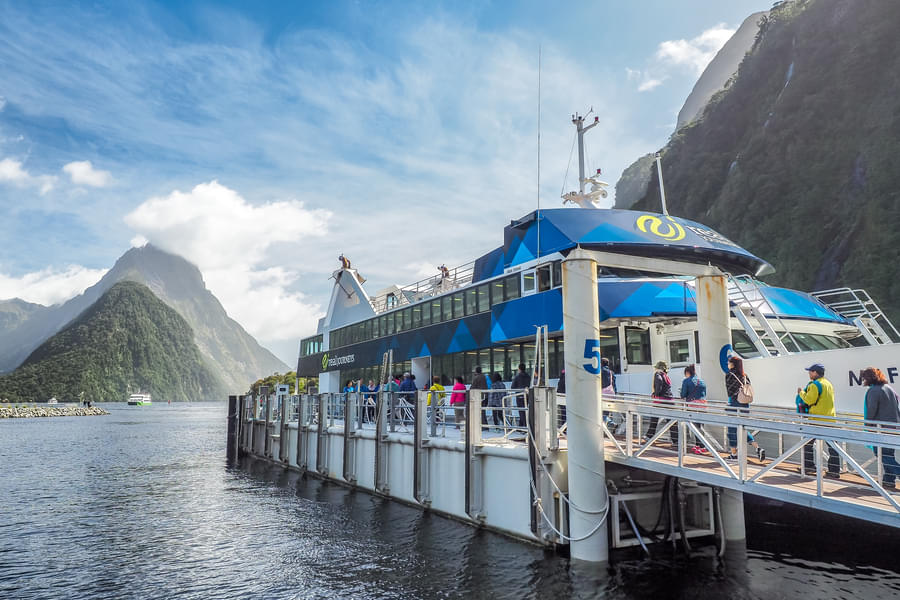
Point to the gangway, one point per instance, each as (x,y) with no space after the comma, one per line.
(858,493)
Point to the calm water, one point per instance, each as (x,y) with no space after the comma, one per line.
(141,504)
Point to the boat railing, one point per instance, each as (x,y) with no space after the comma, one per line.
(856,305)
(443,282)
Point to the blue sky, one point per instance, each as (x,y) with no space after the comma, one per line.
(260,140)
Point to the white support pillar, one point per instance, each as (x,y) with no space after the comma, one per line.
(732,503)
(713,323)
(587,470)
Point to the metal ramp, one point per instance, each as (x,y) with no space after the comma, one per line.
(858,493)
(748,302)
(858,306)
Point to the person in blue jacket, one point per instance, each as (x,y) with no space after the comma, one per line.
(693,391)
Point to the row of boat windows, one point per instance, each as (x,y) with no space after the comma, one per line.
(505,360)
(470,301)
(808,342)
(312,345)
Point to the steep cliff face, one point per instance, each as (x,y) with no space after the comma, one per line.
(228,349)
(127,341)
(796,159)
(632,185)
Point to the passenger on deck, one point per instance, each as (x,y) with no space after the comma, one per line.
(349,388)
(818,398)
(881,404)
(496,401)
(458,400)
(607,377)
(479,382)
(408,390)
(735,379)
(521,382)
(369,393)
(662,391)
(693,391)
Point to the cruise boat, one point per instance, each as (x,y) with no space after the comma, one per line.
(139,399)
(485,313)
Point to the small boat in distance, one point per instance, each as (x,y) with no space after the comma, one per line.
(139,400)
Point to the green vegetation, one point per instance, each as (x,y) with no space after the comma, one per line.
(289,378)
(127,341)
(796,159)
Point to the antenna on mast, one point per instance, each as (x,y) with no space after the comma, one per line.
(539,157)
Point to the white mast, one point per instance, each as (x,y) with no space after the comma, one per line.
(597,187)
(662,190)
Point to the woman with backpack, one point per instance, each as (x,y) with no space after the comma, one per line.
(881,405)
(736,386)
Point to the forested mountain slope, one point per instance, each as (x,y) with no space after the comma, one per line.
(127,341)
(797,160)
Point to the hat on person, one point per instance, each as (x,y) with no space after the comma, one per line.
(406,374)
(817,367)
(661,365)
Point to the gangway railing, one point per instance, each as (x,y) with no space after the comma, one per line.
(859,490)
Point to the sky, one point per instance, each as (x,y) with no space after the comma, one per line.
(260,140)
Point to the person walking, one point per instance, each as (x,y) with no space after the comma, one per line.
(693,391)
(662,394)
(521,382)
(818,399)
(881,404)
(496,401)
(735,380)
(479,382)
(458,400)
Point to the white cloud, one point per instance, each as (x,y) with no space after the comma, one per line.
(83,173)
(695,53)
(232,242)
(49,286)
(649,84)
(11,171)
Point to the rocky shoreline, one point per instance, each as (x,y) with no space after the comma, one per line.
(24,411)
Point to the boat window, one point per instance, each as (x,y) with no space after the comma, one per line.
(528,283)
(497,291)
(809,342)
(435,311)
(609,347)
(407,319)
(511,288)
(680,351)
(390,323)
(741,343)
(417,316)
(446,308)
(557,273)
(459,304)
(543,278)
(529,357)
(382,325)
(484,298)
(368,325)
(426,312)
(637,346)
(471,301)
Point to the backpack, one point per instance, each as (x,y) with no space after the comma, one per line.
(745,393)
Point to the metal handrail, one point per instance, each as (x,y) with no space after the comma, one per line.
(456,278)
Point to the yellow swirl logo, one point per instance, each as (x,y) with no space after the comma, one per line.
(671,231)
(324,361)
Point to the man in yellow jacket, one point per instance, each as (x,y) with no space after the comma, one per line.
(818,398)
